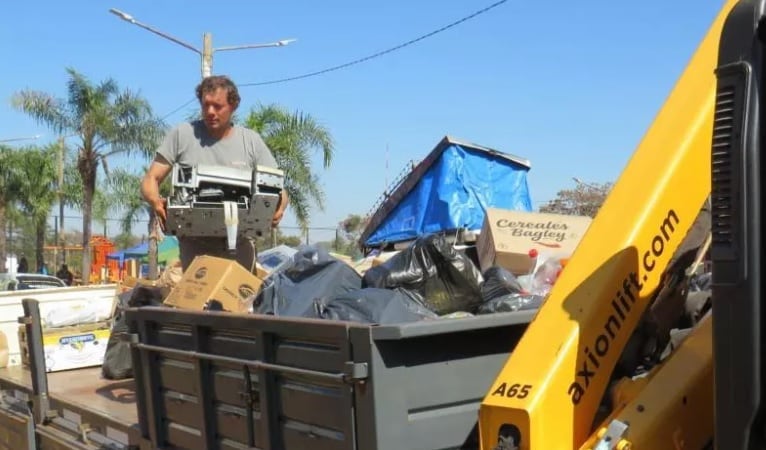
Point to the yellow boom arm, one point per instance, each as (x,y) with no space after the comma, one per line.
(547,394)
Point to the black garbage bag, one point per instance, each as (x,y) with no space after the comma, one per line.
(313,275)
(510,303)
(374,306)
(117,363)
(445,279)
(499,282)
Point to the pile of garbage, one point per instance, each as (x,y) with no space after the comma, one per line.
(430,279)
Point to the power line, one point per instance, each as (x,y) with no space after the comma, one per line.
(378,54)
(360,60)
(177,109)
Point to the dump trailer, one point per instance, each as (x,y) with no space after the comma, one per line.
(217,380)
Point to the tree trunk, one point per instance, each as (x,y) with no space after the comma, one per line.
(153,247)
(40,243)
(87,169)
(3,242)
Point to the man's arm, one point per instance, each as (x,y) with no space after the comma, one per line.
(150,186)
(281,207)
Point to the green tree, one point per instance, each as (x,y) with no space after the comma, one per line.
(293,137)
(37,175)
(8,193)
(266,242)
(108,122)
(125,186)
(126,240)
(349,231)
(585,199)
(20,234)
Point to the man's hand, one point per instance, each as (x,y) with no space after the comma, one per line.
(277,218)
(150,188)
(159,207)
(281,207)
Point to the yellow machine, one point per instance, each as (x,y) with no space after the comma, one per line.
(551,392)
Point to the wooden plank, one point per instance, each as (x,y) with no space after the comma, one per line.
(14,431)
(83,389)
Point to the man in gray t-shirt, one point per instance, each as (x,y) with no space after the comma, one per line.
(213,140)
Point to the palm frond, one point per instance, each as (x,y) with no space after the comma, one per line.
(293,137)
(43,108)
(36,178)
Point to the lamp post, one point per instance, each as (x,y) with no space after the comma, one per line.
(206,54)
(27,138)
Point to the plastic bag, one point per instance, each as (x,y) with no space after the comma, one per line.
(373,305)
(445,279)
(313,275)
(510,303)
(118,363)
(701,282)
(498,282)
(545,276)
(65,316)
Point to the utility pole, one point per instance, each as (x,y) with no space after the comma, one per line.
(206,54)
(60,193)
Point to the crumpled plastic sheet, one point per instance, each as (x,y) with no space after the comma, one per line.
(313,275)
(373,305)
(443,278)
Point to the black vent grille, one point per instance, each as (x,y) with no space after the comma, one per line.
(723,194)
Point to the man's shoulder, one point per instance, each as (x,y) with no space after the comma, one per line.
(189,127)
(188,131)
(247,132)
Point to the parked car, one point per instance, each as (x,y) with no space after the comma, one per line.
(22,281)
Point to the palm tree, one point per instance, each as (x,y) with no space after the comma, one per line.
(108,122)
(36,174)
(124,185)
(292,137)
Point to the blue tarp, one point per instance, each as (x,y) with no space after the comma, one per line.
(137,252)
(454,192)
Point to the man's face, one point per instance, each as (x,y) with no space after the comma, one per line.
(216,110)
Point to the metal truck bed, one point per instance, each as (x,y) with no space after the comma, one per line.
(235,381)
(213,380)
(84,405)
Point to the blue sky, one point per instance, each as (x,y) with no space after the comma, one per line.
(571,86)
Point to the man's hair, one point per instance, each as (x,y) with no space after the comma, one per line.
(215,82)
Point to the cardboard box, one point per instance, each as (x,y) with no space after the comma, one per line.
(4,350)
(67,348)
(261,271)
(210,278)
(508,236)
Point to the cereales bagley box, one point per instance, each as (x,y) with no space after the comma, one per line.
(508,236)
(210,278)
(71,347)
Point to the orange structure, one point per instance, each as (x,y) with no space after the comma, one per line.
(101,247)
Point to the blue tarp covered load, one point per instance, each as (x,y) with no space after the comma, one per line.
(450,190)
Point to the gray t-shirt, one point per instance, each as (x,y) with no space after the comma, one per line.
(189,144)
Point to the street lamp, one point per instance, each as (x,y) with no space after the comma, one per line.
(28,138)
(207,51)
